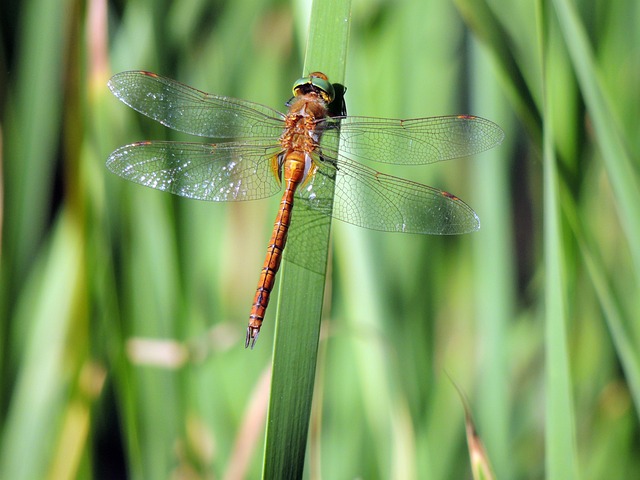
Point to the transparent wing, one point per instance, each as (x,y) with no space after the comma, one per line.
(377,201)
(308,228)
(191,111)
(218,173)
(416,141)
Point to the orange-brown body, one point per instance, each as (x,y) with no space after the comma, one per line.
(299,140)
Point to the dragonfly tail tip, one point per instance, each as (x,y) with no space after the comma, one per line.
(252,336)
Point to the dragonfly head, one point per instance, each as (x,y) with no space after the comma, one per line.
(316,82)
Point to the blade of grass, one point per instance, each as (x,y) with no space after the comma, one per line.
(560,438)
(561,461)
(32,135)
(301,291)
(480,461)
(613,312)
(50,307)
(495,271)
(560,441)
(481,19)
(616,158)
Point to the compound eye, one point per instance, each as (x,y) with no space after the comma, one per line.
(315,81)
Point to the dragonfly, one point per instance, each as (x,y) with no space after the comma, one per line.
(311,153)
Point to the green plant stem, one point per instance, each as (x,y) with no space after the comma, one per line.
(301,291)
(561,462)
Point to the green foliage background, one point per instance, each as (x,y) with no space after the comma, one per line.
(123,309)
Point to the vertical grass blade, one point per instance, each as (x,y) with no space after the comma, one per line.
(494,272)
(559,435)
(560,443)
(51,309)
(301,291)
(617,161)
(31,134)
(480,17)
(614,313)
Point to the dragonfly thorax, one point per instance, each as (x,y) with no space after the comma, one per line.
(303,130)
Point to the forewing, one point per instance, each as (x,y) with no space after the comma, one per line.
(224,172)
(416,141)
(191,111)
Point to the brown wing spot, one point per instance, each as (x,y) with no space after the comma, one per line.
(467,117)
(150,74)
(450,195)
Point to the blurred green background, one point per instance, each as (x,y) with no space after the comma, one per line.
(123,309)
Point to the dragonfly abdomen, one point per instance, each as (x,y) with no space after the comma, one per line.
(293,172)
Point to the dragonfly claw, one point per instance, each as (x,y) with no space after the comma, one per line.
(252,336)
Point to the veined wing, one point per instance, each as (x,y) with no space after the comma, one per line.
(304,245)
(415,141)
(191,111)
(218,173)
(373,200)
